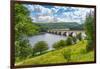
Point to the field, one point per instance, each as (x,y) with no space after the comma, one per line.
(72,53)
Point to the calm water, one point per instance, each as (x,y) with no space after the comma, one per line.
(49,38)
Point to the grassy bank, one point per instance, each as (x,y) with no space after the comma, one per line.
(77,54)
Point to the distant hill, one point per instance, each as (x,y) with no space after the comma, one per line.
(61,25)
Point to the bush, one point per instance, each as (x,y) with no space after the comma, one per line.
(59,44)
(55,45)
(89,46)
(69,40)
(67,54)
(23,49)
(79,36)
(40,47)
(74,39)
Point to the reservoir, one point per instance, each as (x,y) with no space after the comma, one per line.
(49,38)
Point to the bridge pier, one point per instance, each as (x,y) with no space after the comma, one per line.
(65,32)
(59,33)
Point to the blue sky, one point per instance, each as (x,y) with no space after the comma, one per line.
(53,14)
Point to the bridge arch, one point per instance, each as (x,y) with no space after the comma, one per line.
(66,32)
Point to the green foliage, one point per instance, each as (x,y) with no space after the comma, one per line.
(79,36)
(22,49)
(55,57)
(90,45)
(23,23)
(55,45)
(61,25)
(23,28)
(89,28)
(83,51)
(74,39)
(69,40)
(59,44)
(40,47)
(67,54)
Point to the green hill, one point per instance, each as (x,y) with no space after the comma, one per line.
(62,25)
(77,54)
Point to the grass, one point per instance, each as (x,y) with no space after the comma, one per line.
(77,51)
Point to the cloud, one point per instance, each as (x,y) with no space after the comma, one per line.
(78,15)
(54,10)
(51,19)
(81,13)
(43,13)
(45,18)
(39,9)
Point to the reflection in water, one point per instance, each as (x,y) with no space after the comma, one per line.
(49,38)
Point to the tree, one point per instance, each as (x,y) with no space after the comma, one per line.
(59,44)
(79,36)
(67,54)
(40,47)
(89,29)
(74,39)
(23,49)
(24,27)
(55,45)
(23,23)
(69,40)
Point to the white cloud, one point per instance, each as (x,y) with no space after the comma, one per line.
(82,12)
(40,9)
(54,10)
(44,14)
(45,18)
(77,16)
(51,19)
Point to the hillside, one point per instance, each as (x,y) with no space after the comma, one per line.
(61,25)
(77,54)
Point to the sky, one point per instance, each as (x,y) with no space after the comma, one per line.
(54,14)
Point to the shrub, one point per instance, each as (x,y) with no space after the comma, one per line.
(69,40)
(55,45)
(23,49)
(89,46)
(40,47)
(67,54)
(74,39)
(59,44)
(79,36)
